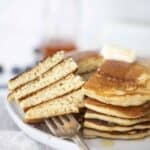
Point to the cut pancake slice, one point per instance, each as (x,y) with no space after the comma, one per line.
(66,104)
(121,121)
(46,79)
(131,135)
(39,69)
(64,86)
(130,112)
(109,126)
(10,96)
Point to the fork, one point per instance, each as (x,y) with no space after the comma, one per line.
(66,127)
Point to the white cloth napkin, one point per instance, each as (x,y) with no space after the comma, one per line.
(16,140)
(11,138)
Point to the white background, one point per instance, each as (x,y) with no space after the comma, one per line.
(100,22)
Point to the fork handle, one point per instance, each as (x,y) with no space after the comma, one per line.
(80,142)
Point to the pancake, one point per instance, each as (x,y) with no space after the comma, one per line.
(64,86)
(86,76)
(46,79)
(131,135)
(130,112)
(109,126)
(10,96)
(87,60)
(66,104)
(121,121)
(39,69)
(120,83)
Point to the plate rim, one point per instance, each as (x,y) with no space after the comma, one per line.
(39,136)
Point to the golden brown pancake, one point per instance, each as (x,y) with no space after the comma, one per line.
(50,77)
(131,135)
(121,121)
(121,71)
(120,83)
(60,88)
(49,89)
(36,71)
(87,61)
(129,112)
(86,76)
(109,126)
(69,103)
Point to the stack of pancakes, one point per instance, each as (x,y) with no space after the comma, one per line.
(49,89)
(118,101)
(88,62)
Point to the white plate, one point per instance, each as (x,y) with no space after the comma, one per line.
(60,144)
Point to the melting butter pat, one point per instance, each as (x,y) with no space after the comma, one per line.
(114,52)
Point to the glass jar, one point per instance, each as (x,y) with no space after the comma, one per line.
(61,23)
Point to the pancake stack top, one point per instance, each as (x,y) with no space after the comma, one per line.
(49,89)
(118,101)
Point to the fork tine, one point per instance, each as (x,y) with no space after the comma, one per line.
(69,130)
(63,119)
(71,118)
(74,121)
(50,126)
(57,123)
(60,128)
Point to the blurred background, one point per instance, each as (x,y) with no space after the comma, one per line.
(33,29)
